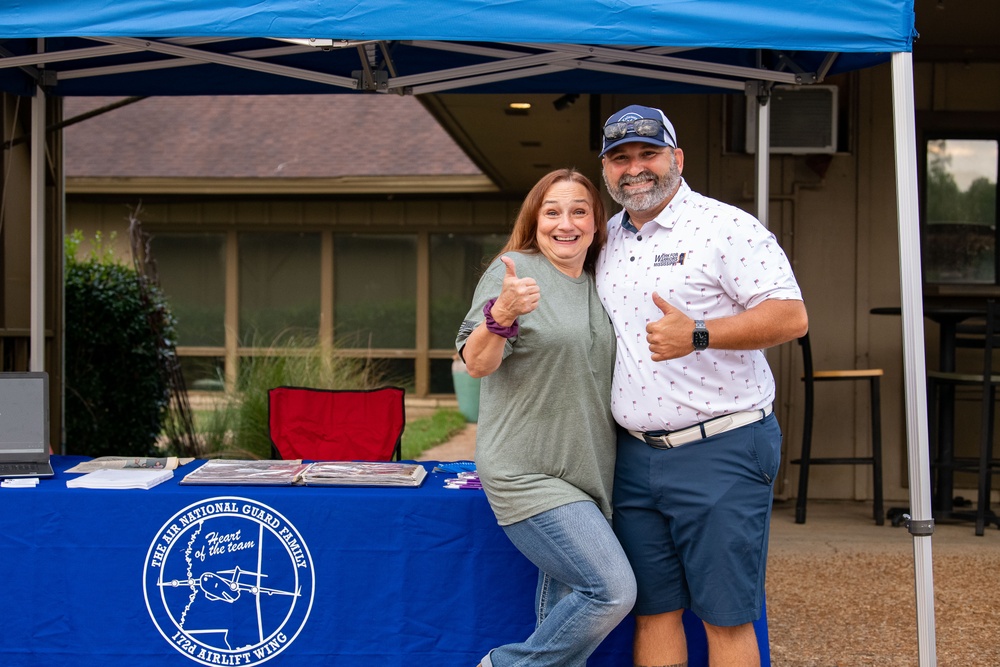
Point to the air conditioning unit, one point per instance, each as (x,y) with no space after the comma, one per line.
(803,120)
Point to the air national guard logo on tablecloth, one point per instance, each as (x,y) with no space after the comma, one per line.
(229,581)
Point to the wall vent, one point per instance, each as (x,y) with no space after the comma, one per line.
(803,120)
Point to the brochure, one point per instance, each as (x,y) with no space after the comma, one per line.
(120,479)
(129,463)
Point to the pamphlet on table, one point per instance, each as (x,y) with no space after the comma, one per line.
(130,463)
(120,479)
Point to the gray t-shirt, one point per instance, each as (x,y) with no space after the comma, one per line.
(546,436)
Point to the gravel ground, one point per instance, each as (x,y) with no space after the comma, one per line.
(841,592)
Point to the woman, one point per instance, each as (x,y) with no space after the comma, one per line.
(545,448)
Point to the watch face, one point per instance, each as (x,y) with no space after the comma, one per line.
(700,335)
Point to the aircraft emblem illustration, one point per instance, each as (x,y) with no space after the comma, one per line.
(219,588)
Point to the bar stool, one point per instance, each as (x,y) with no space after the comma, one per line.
(985,336)
(810,377)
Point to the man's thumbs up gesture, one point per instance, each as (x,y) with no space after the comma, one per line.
(670,336)
(518,296)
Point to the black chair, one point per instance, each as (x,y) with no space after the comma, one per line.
(810,377)
(986,336)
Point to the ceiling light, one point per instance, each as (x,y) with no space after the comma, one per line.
(520,106)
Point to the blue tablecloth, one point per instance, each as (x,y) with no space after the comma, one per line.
(217,575)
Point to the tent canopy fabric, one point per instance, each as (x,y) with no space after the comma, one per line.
(104,47)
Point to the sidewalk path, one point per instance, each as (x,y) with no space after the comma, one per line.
(461,447)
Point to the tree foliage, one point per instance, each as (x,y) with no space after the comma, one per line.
(947,203)
(960,234)
(119,333)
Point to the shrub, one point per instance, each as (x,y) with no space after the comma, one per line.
(119,333)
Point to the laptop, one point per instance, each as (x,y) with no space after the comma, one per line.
(24,425)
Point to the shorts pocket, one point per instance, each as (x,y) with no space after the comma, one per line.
(765,448)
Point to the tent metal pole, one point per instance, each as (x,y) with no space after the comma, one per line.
(159,65)
(669,62)
(921,523)
(166,48)
(36,357)
(660,75)
(762,161)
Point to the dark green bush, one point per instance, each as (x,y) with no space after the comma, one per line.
(118,333)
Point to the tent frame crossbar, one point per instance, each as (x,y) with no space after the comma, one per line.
(529,60)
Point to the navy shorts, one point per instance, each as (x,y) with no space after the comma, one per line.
(694,521)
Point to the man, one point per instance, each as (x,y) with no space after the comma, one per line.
(696,289)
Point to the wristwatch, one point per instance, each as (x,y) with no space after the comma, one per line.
(700,336)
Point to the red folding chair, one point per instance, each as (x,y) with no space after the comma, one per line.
(335,424)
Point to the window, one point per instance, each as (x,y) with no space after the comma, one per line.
(192,271)
(375,292)
(279,292)
(960,231)
(279,287)
(457,262)
(203,373)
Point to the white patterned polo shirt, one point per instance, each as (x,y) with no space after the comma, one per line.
(709,260)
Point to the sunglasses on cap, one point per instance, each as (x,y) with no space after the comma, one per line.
(643,127)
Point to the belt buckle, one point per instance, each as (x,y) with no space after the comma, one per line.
(657,441)
(719,425)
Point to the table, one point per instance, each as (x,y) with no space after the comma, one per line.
(198,575)
(947,318)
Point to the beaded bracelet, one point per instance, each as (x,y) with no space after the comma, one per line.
(493,327)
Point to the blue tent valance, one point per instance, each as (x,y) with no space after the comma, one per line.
(816,25)
(106,47)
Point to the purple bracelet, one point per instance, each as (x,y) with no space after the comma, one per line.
(493,327)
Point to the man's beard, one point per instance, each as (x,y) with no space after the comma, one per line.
(662,188)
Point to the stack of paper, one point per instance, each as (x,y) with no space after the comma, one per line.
(120,479)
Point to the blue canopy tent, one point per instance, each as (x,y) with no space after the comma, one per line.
(190,47)
(98,47)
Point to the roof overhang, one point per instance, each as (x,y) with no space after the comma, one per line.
(440,184)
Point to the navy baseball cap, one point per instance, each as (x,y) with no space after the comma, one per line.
(638,123)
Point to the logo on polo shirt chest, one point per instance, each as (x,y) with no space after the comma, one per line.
(669,259)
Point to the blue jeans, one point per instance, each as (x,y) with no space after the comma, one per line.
(585,586)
